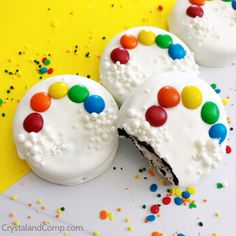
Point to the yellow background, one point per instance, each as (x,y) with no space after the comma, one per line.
(39,28)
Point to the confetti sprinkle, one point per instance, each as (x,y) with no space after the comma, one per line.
(150,218)
(166,200)
(130,228)
(39,202)
(110,216)
(200,224)
(14,197)
(153,188)
(11,215)
(96,233)
(192,190)
(217,214)
(228,149)
(157,234)
(186,194)
(219,185)
(103,214)
(155,209)
(225,101)
(17,223)
(178,201)
(192,205)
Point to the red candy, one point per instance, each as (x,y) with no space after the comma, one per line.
(50,71)
(228,149)
(44,59)
(168,97)
(156,116)
(160,8)
(33,123)
(166,200)
(194,11)
(155,209)
(121,55)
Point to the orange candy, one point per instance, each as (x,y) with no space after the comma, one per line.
(40,102)
(103,215)
(128,41)
(198,2)
(168,97)
(157,234)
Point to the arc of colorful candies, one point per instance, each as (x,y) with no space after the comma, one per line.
(146,38)
(169,97)
(40,102)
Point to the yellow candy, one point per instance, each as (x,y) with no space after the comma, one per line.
(192,190)
(225,101)
(16,222)
(217,214)
(177,192)
(39,202)
(14,197)
(191,97)
(110,216)
(130,228)
(146,37)
(96,233)
(58,90)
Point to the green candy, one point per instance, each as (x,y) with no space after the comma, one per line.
(213,86)
(47,62)
(192,205)
(1,101)
(164,40)
(78,93)
(210,113)
(219,185)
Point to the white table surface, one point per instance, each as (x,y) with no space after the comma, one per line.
(119,188)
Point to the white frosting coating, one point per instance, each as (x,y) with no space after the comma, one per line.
(211,37)
(73,146)
(121,79)
(183,141)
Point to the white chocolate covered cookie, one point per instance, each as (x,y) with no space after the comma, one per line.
(178,123)
(208,28)
(136,54)
(65,128)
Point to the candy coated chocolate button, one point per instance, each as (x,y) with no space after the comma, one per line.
(121,55)
(156,116)
(33,123)
(195,11)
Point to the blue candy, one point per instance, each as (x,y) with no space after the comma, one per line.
(94,103)
(185,194)
(180,234)
(153,188)
(178,201)
(43,70)
(176,51)
(234,4)
(218,131)
(150,218)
